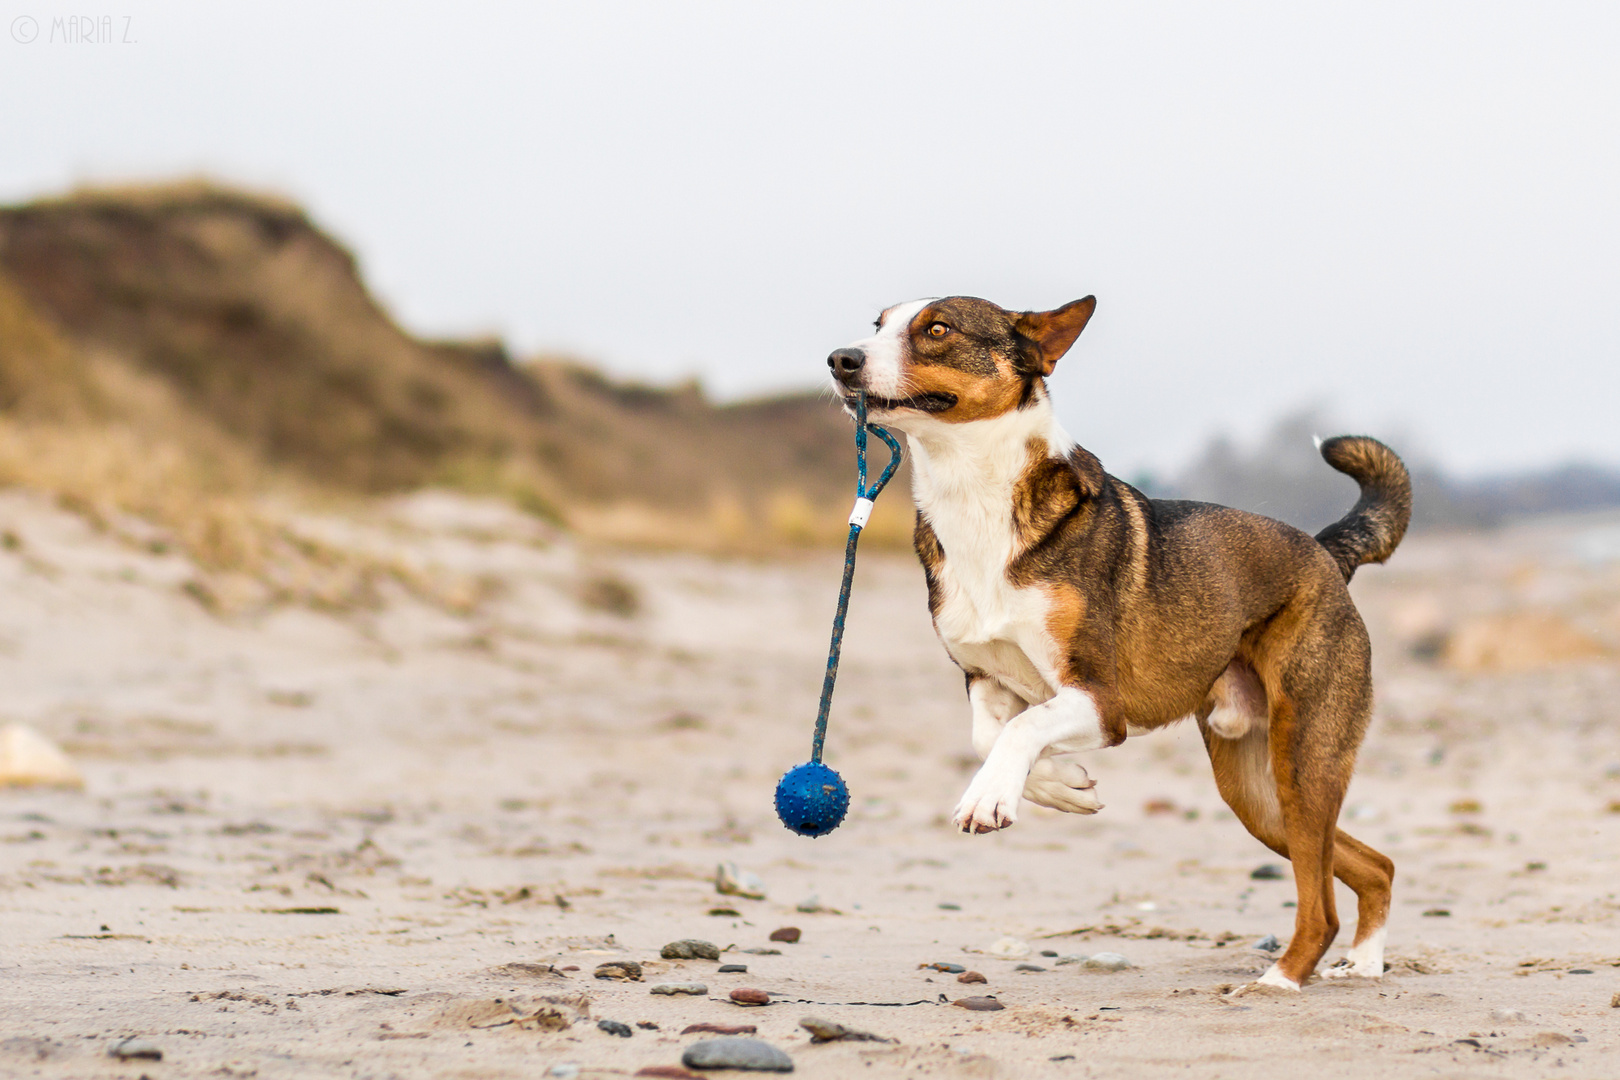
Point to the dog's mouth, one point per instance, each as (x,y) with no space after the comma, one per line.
(932,401)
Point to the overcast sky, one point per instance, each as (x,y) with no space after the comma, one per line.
(1405,213)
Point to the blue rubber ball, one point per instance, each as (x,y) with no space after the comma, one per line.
(811,799)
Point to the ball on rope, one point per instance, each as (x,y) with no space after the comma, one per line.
(811,799)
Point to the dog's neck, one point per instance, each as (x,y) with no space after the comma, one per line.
(963,474)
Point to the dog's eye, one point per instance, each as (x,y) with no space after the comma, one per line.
(938,329)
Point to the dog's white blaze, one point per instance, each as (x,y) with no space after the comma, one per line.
(885,350)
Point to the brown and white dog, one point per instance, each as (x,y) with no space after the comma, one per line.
(1082,611)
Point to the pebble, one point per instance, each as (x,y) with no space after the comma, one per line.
(1267,872)
(1507,1016)
(761,952)
(668,1072)
(789,934)
(947,906)
(731,880)
(29,759)
(827,1031)
(719,1029)
(690,949)
(1009,947)
(671,989)
(613,1027)
(1049,953)
(949,969)
(1107,961)
(133,1049)
(979,1004)
(1029,967)
(747,995)
(971,977)
(810,905)
(733,969)
(624,970)
(1073,958)
(1269,943)
(736,1054)
(1614,1002)
(646,1025)
(564,1070)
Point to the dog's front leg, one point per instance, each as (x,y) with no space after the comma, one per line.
(1069,723)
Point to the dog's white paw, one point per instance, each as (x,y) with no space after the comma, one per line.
(1272,982)
(1364,961)
(1062,785)
(990,803)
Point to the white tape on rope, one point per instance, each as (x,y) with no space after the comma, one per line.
(862,512)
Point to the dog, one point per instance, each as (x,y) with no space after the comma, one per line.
(1082,612)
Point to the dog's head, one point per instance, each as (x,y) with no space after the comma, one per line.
(957,359)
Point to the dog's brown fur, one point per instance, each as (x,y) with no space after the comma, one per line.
(1164,609)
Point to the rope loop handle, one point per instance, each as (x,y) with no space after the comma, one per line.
(864,499)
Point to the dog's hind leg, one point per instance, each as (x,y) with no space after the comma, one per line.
(1371,875)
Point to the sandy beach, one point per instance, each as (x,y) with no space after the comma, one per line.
(371,840)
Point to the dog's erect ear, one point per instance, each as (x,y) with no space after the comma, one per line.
(1052,332)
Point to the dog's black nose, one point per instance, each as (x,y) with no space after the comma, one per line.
(846,361)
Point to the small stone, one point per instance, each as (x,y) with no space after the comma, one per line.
(979,1004)
(1581,971)
(971,977)
(1107,961)
(733,969)
(1437,913)
(948,906)
(1614,1002)
(719,1029)
(725,912)
(1009,947)
(1050,953)
(828,1031)
(1267,872)
(1507,1016)
(623,970)
(736,1054)
(671,989)
(747,995)
(1269,943)
(788,934)
(810,905)
(760,951)
(949,969)
(1073,958)
(564,1070)
(133,1049)
(730,880)
(29,759)
(690,949)
(1029,967)
(646,1025)
(667,1072)
(613,1027)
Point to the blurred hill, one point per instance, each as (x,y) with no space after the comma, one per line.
(190,358)
(222,336)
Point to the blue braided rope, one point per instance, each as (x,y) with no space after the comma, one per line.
(861,492)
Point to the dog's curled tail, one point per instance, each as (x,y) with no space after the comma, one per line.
(1372,528)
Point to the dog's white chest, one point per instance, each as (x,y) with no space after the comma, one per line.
(987,623)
